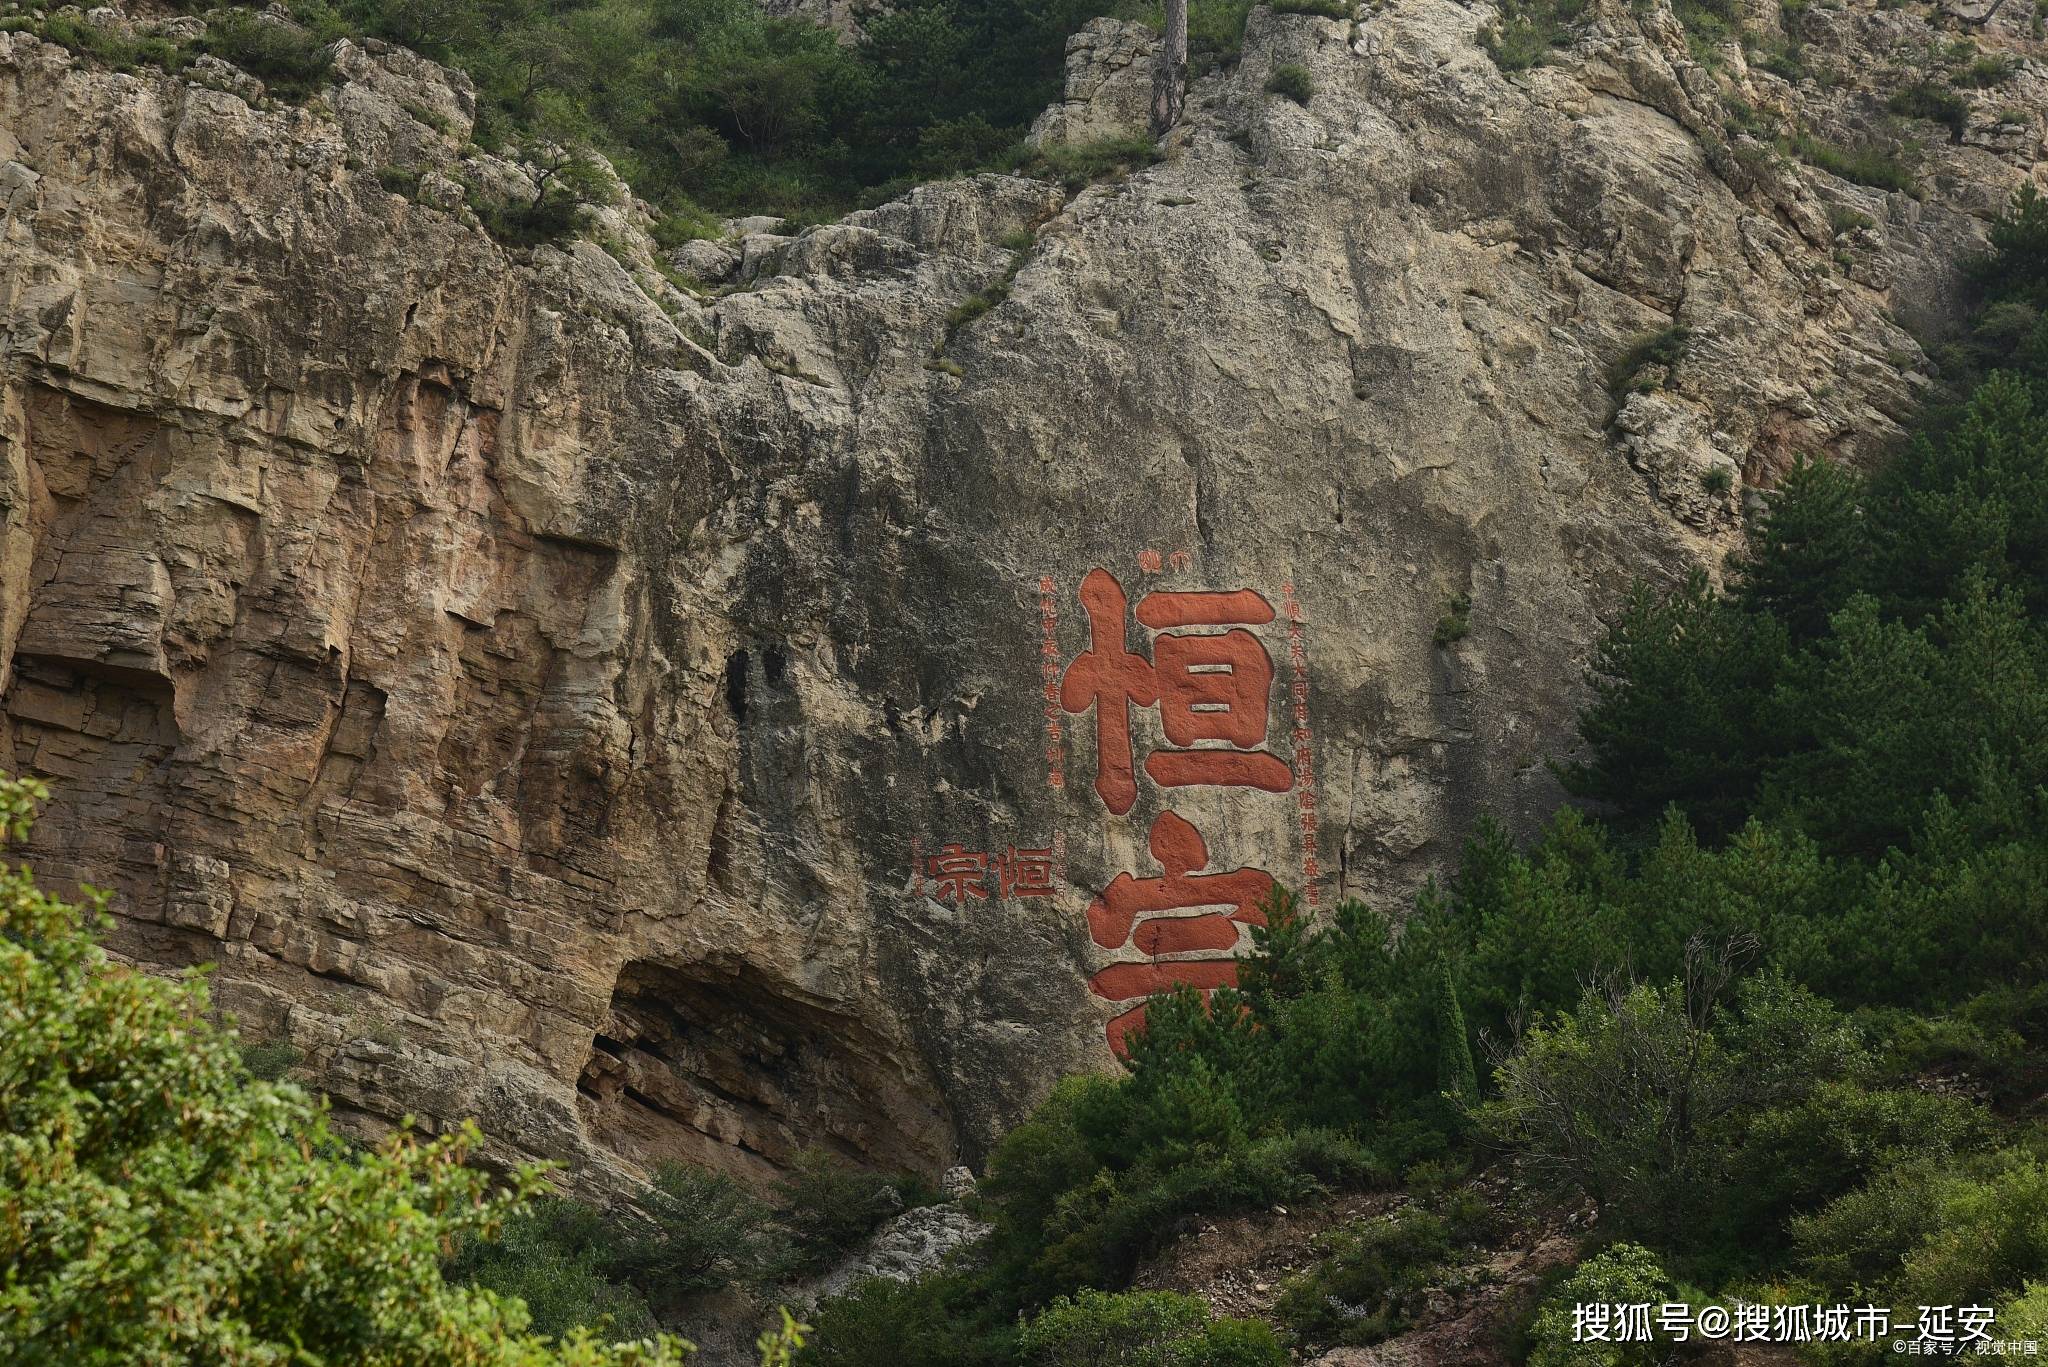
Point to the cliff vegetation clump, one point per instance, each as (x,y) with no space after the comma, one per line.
(703,106)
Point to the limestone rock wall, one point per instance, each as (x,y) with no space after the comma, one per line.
(553,696)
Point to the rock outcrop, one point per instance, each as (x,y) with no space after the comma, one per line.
(617,711)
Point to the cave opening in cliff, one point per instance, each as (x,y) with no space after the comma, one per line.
(736,684)
(728,1070)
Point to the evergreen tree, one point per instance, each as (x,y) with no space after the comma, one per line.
(1457,1076)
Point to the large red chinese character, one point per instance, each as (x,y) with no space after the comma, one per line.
(1113,920)
(1207,686)
(958,874)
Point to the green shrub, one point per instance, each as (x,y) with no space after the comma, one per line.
(399,180)
(1717,480)
(147,1172)
(1933,1232)
(1528,31)
(937,1321)
(1075,165)
(1875,166)
(700,1230)
(1456,623)
(1986,72)
(291,61)
(1626,1274)
(1662,348)
(557,1256)
(103,43)
(1933,102)
(1328,9)
(1370,1281)
(269,1060)
(827,1207)
(1143,1329)
(1643,1098)
(1293,82)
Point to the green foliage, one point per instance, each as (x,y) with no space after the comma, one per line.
(1664,348)
(158,1204)
(1293,82)
(1985,72)
(1881,167)
(827,1207)
(780,1345)
(1527,32)
(1456,623)
(1327,9)
(1143,1329)
(1626,1274)
(699,1230)
(703,105)
(1934,102)
(1456,1074)
(1638,1100)
(1370,1281)
(399,180)
(715,103)
(103,43)
(690,1231)
(269,1060)
(1077,164)
(939,1321)
(1928,1233)
(290,59)
(557,1257)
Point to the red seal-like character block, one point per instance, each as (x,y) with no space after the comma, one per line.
(1208,686)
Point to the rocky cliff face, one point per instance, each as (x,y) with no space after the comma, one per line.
(620,712)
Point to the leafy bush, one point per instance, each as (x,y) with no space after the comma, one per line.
(827,1207)
(1642,1098)
(1930,1233)
(104,43)
(1626,1274)
(165,1206)
(1933,102)
(1456,623)
(1663,348)
(558,1258)
(291,61)
(269,1060)
(1881,167)
(1528,31)
(1327,9)
(938,1321)
(1143,1329)
(1370,1280)
(1292,82)
(700,1230)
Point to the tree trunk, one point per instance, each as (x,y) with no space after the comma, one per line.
(1170,71)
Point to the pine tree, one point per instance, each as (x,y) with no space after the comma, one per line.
(1457,1076)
